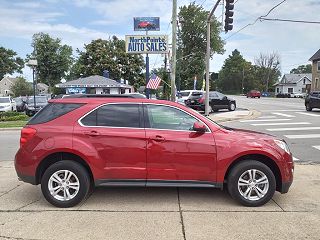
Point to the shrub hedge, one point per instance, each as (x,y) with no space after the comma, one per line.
(13,116)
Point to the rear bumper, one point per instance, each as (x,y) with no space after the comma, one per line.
(27,179)
(196,106)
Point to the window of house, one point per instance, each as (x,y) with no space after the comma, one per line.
(317,83)
(318,66)
(277,90)
(304,81)
(290,90)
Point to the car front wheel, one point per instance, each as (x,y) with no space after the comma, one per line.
(65,184)
(232,106)
(308,107)
(251,183)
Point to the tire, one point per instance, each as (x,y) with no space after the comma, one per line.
(308,107)
(78,185)
(210,109)
(232,107)
(251,198)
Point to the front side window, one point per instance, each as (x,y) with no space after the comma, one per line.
(165,117)
(114,115)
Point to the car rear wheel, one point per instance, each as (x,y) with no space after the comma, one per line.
(251,183)
(308,107)
(65,184)
(232,107)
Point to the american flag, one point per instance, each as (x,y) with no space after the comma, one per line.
(154,82)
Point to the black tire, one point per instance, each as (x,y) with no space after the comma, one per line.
(239,170)
(82,177)
(232,106)
(308,107)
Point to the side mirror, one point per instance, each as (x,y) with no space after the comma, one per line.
(224,98)
(199,127)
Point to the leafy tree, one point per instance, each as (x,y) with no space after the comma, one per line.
(21,87)
(9,62)
(231,74)
(269,69)
(302,69)
(109,55)
(54,58)
(192,42)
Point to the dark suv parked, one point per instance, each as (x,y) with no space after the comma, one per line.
(217,101)
(312,101)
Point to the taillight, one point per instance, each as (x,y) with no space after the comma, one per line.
(26,134)
(201,100)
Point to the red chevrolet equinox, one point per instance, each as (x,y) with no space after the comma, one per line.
(74,144)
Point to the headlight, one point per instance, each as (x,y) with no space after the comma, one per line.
(282,144)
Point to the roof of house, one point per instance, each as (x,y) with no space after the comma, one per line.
(93,81)
(292,78)
(315,56)
(10,79)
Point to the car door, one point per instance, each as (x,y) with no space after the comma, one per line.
(174,151)
(116,133)
(214,100)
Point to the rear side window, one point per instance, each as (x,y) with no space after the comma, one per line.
(53,111)
(114,115)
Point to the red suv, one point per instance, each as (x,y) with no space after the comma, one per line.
(254,94)
(73,144)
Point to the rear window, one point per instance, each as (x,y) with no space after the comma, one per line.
(197,94)
(53,111)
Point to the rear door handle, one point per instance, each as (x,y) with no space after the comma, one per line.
(158,138)
(91,133)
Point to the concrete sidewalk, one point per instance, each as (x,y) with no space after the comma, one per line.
(225,116)
(160,213)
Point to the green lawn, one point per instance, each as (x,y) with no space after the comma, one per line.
(12,124)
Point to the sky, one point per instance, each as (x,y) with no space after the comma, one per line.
(78,22)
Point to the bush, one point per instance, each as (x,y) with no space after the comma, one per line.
(13,116)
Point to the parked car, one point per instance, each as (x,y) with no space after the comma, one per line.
(296,95)
(7,104)
(217,101)
(312,101)
(265,94)
(73,144)
(254,94)
(32,108)
(283,95)
(20,103)
(185,94)
(146,25)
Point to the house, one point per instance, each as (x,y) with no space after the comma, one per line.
(95,85)
(42,88)
(5,85)
(294,83)
(315,86)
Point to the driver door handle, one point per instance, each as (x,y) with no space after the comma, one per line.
(91,133)
(158,138)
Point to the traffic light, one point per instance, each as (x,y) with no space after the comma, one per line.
(228,15)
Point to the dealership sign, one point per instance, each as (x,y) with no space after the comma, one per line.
(147,43)
(146,23)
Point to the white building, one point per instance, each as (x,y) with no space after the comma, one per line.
(294,83)
(95,85)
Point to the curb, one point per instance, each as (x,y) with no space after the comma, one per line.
(10,129)
(252,115)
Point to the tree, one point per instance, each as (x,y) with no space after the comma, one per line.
(192,40)
(302,69)
(21,87)
(54,58)
(232,73)
(9,62)
(100,55)
(269,69)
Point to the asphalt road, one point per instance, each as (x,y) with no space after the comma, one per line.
(287,119)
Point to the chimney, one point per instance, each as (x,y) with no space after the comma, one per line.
(105,73)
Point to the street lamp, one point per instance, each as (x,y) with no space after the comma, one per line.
(33,63)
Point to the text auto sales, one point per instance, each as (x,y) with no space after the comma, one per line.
(149,44)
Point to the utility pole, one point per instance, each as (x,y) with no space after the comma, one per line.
(208,58)
(174,50)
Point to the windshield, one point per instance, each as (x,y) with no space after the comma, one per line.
(4,100)
(38,100)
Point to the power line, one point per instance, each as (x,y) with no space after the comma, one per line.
(287,20)
(255,21)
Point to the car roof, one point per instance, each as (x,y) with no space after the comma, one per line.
(130,95)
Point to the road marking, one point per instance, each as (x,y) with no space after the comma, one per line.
(266,117)
(283,115)
(267,120)
(292,129)
(295,159)
(276,124)
(302,136)
(309,114)
(287,110)
(317,147)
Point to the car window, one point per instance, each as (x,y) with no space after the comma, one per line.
(184,94)
(53,111)
(4,100)
(114,115)
(165,117)
(213,95)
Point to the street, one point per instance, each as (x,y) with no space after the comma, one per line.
(287,119)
